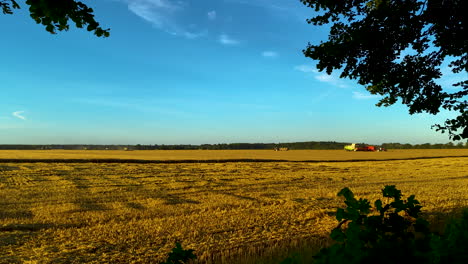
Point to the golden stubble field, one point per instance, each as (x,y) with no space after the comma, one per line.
(227,212)
(201,155)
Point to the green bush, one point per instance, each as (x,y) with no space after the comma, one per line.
(390,233)
(452,246)
(178,255)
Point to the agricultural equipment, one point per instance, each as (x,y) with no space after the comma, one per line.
(281,149)
(361,147)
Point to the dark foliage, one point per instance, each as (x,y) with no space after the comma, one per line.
(391,233)
(178,255)
(452,246)
(368,41)
(55,15)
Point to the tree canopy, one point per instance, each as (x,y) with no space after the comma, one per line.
(395,48)
(56,14)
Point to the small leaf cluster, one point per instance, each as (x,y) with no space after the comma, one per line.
(55,15)
(6,8)
(388,233)
(178,255)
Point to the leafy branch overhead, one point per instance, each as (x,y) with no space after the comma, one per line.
(56,14)
(396,48)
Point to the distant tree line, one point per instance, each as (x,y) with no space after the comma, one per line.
(67,147)
(449,145)
(319,145)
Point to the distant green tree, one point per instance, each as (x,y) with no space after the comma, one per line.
(56,14)
(426,146)
(395,48)
(407,146)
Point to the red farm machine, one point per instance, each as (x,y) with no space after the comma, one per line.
(363,147)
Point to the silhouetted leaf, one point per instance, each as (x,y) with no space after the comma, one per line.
(55,14)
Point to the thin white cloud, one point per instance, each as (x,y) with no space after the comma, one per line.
(323,77)
(19,114)
(212,15)
(270,54)
(305,68)
(163,15)
(364,96)
(332,79)
(191,35)
(227,40)
(282,8)
(156,12)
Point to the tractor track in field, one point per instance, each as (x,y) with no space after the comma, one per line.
(214,160)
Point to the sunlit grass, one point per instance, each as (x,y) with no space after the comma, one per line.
(292,155)
(227,212)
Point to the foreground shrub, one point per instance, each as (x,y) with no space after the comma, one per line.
(452,246)
(178,255)
(389,233)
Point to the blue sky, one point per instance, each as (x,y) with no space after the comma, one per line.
(186,72)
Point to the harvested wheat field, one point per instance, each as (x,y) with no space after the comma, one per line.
(223,155)
(229,212)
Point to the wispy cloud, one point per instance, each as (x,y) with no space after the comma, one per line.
(227,40)
(192,35)
(305,68)
(163,15)
(19,114)
(332,79)
(212,15)
(270,54)
(364,96)
(282,8)
(323,77)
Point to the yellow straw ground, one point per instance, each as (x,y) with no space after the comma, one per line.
(293,155)
(227,212)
